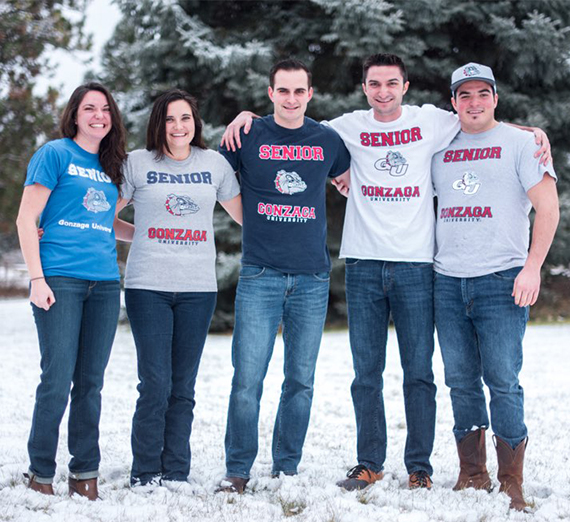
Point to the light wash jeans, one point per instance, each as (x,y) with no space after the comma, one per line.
(265,299)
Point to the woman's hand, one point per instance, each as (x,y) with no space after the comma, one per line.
(41,294)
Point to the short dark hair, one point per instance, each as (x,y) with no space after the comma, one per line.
(289,65)
(156,129)
(383,59)
(112,150)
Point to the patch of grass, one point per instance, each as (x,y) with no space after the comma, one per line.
(292,508)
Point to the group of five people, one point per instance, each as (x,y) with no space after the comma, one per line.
(388,161)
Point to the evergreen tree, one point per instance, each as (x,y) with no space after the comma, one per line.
(221,52)
(28,30)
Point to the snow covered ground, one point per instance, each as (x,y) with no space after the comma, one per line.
(329,449)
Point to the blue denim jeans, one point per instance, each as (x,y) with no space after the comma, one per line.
(75,336)
(374,290)
(480,331)
(265,299)
(170,330)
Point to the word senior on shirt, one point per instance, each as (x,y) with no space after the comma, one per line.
(164,177)
(472,154)
(387,139)
(291,152)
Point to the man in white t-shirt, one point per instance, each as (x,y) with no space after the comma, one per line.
(388,244)
(486,182)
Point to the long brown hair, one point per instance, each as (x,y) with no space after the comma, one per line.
(112,150)
(156,130)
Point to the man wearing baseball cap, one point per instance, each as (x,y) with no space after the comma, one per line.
(486,278)
(472,71)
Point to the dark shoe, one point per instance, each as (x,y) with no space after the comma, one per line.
(277,474)
(420,480)
(359,477)
(472,462)
(510,472)
(85,488)
(34,485)
(232,485)
(152,480)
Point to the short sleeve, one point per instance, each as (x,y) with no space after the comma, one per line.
(233,158)
(446,125)
(45,167)
(530,171)
(342,161)
(229,186)
(128,186)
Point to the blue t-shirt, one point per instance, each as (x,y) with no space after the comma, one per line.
(283,174)
(78,240)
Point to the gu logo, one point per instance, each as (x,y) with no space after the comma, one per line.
(394,163)
(471,70)
(95,201)
(469,183)
(289,183)
(180,205)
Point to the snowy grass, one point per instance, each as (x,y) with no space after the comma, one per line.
(329,448)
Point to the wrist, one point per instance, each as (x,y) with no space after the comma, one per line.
(531,264)
(38,278)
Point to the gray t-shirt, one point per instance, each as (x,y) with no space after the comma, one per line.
(481,181)
(173,247)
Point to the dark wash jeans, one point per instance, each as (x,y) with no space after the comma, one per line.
(480,332)
(265,299)
(374,290)
(170,330)
(75,336)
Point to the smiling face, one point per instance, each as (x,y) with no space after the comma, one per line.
(384,89)
(179,129)
(93,121)
(475,103)
(290,95)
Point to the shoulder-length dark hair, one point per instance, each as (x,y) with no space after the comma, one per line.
(112,150)
(156,130)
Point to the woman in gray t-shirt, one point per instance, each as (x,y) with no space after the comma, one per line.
(170,277)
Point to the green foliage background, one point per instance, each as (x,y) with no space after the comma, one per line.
(221,51)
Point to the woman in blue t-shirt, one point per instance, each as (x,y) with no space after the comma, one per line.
(72,186)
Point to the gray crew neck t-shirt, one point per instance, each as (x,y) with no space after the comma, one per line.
(481,181)
(173,248)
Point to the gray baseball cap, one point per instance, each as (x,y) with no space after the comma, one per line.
(472,71)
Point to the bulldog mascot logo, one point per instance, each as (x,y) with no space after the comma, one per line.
(394,163)
(289,182)
(180,205)
(95,201)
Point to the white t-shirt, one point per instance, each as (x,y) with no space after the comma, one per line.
(390,214)
(173,248)
(481,181)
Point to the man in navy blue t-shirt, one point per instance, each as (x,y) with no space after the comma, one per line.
(283,166)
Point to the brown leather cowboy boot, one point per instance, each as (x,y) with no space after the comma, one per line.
(34,485)
(510,472)
(85,488)
(472,462)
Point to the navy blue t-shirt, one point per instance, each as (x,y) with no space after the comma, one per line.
(283,174)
